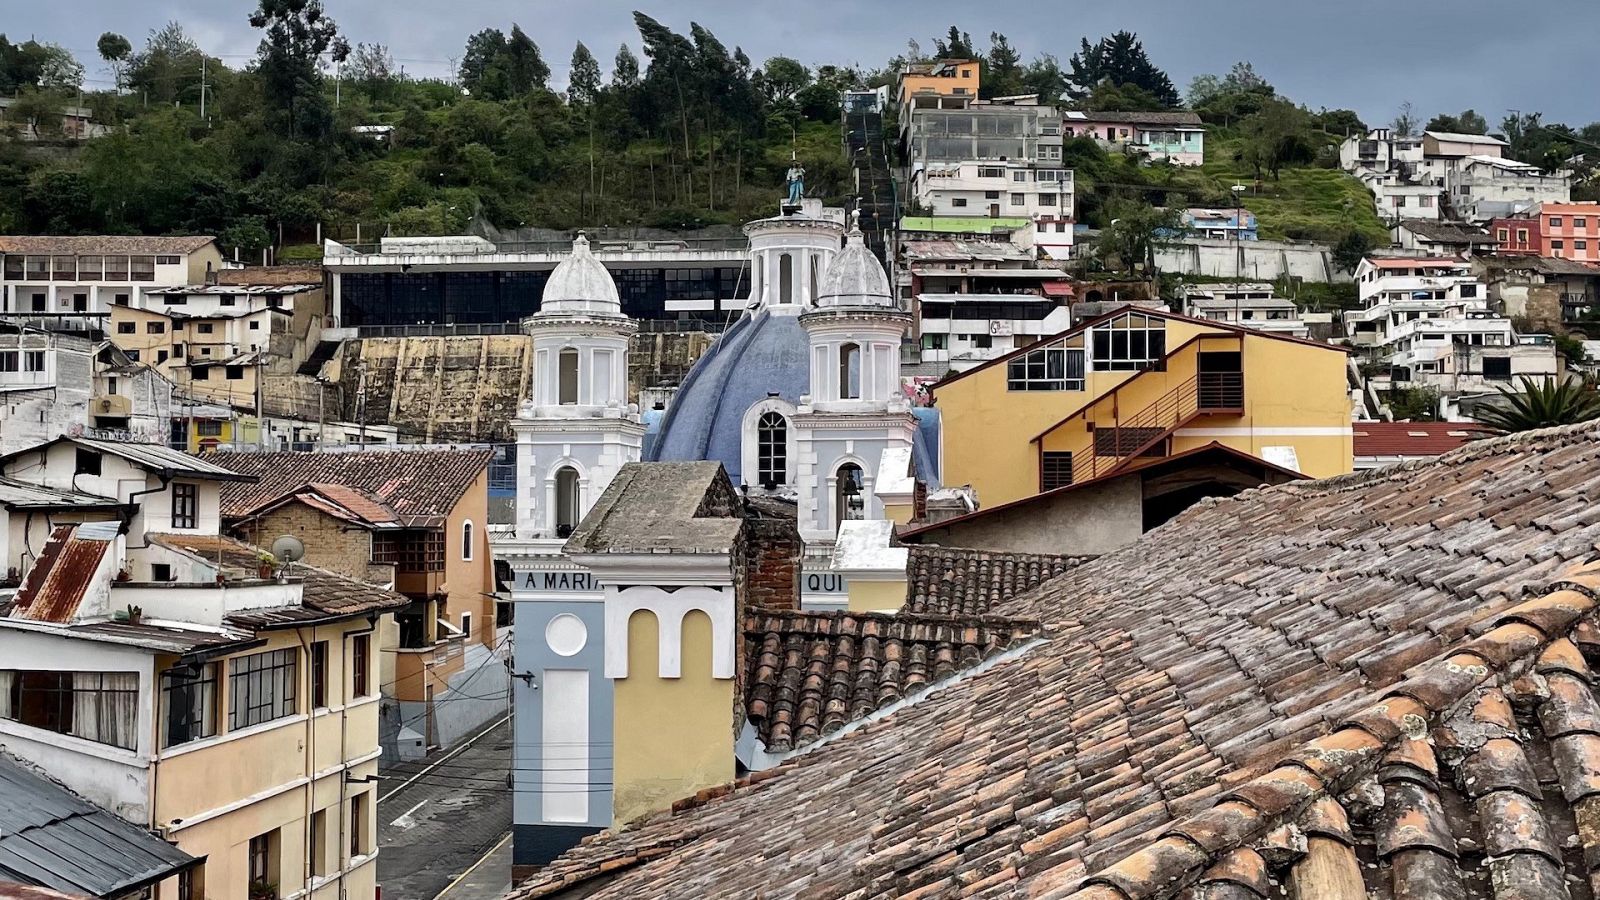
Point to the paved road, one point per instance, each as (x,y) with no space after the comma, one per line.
(488,879)
(439,816)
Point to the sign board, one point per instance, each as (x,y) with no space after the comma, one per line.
(998,328)
(531,579)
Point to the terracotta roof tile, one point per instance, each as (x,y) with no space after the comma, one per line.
(808,674)
(957,582)
(1414,439)
(113,244)
(1228,654)
(421,487)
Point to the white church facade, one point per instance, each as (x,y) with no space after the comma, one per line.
(800,402)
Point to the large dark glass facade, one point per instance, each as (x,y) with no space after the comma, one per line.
(413,298)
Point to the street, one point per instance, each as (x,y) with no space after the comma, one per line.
(441,816)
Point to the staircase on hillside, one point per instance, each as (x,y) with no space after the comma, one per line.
(869,157)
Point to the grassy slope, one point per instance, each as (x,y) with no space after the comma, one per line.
(1306,203)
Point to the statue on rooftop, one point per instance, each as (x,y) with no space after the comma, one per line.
(797,182)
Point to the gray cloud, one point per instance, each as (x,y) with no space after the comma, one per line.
(1369,55)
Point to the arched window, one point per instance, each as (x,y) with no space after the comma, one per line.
(849,498)
(849,372)
(786,279)
(466,541)
(567,378)
(566,501)
(772,450)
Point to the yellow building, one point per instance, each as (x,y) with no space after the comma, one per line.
(235,715)
(1137,386)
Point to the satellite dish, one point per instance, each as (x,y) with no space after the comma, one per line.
(288,549)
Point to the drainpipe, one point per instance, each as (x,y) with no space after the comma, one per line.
(310,757)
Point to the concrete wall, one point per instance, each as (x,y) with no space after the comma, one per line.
(674,736)
(471,698)
(1262,260)
(436,388)
(1085,522)
(62,400)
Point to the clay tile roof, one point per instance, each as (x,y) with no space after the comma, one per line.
(957,582)
(277,276)
(325,595)
(420,487)
(113,244)
(1228,675)
(1414,439)
(808,674)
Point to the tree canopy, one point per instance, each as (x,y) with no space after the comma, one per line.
(1121,61)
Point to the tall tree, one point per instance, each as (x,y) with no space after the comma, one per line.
(297,33)
(483,72)
(526,70)
(60,71)
(115,50)
(1120,60)
(167,70)
(1002,71)
(1468,122)
(625,69)
(1405,121)
(956,44)
(583,80)
(1277,135)
(1045,78)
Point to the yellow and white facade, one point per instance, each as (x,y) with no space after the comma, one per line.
(1139,385)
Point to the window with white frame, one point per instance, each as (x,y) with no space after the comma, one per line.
(1129,342)
(772,450)
(566,501)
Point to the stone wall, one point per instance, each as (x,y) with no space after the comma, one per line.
(329,543)
(1262,260)
(436,389)
(663,358)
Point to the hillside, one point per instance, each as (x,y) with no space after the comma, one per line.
(1305,203)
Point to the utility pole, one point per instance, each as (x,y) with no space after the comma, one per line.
(202,87)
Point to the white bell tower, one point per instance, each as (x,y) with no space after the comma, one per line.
(578,429)
(790,253)
(856,409)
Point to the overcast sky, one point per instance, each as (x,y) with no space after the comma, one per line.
(1369,55)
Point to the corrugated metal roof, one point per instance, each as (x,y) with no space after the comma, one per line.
(22,495)
(51,838)
(154,457)
(56,585)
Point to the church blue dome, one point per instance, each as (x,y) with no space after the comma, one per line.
(761,356)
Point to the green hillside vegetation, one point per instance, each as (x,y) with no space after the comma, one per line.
(684,132)
(1313,202)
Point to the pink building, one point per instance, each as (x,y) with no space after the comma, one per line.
(1569,230)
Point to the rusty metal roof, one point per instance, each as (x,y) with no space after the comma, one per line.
(56,585)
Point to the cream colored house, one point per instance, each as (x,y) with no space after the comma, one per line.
(184,683)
